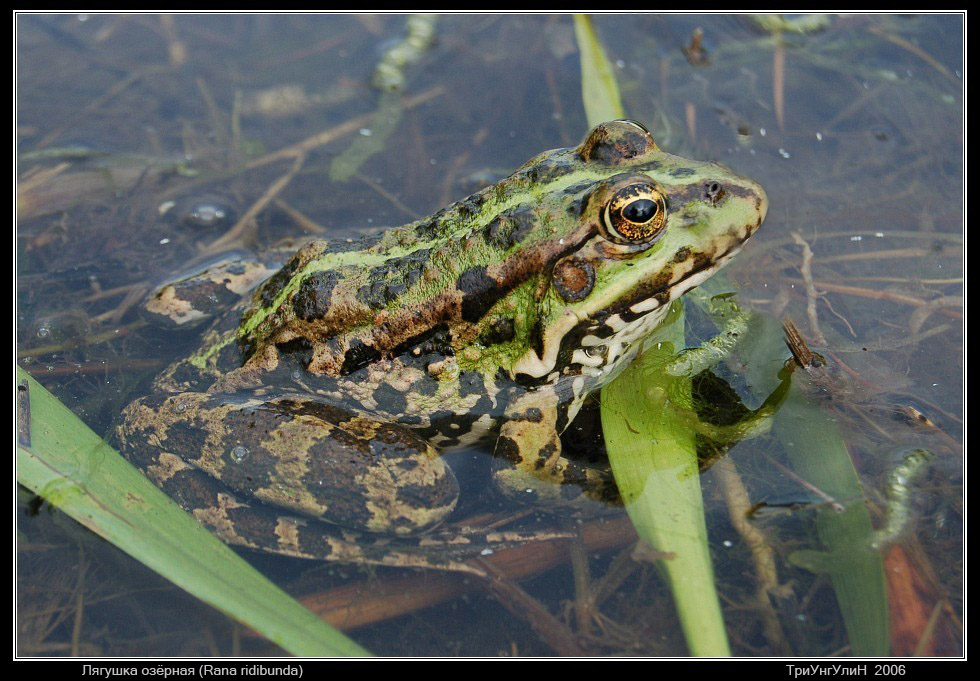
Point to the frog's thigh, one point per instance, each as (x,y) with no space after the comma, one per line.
(528,464)
(302,455)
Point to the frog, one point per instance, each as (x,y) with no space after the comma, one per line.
(313,418)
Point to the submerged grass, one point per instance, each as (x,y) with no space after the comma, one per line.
(817,452)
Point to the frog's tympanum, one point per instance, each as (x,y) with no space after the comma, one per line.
(311,420)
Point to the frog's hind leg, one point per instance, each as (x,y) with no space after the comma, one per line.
(309,473)
(260,527)
(299,454)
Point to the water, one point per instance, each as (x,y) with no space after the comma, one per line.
(855,130)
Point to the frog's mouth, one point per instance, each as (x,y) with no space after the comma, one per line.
(599,345)
(639,320)
(691,280)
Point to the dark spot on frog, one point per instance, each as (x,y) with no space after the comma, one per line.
(577,206)
(259,528)
(358,356)
(543,454)
(500,330)
(393,279)
(470,383)
(437,421)
(394,443)
(507,449)
(532,414)
(406,465)
(433,341)
(480,293)
(297,353)
(484,405)
(189,377)
(349,245)
(682,254)
(701,261)
(744,193)
(468,207)
(427,496)
(190,488)
(509,229)
(313,544)
(573,279)
(434,227)
(425,386)
(312,300)
(429,229)
(536,339)
(548,169)
(682,172)
(389,399)
(569,491)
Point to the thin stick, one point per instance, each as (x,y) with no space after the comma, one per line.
(336,132)
(553,632)
(247,220)
(811,291)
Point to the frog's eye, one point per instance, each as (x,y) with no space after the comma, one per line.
(636,214)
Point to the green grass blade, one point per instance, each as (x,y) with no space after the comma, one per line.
(817,452)
(600,93)
(76,471)
(654,459)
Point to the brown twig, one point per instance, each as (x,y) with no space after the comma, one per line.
(919,316)
(763,556)
(247,221)
(302,147)
(77,342)
(584,602)
(363,603)
(811,291)
(917,51)
(860,292)
(779,81)
(305,223)
(914,253)
(553,632)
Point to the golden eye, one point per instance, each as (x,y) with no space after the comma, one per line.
(636,214)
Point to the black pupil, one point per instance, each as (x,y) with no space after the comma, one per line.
(640,210)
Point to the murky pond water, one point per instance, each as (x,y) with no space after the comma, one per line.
(144,141)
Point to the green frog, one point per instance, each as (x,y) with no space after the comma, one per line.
(311,420)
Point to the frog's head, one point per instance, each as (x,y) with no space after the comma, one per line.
(641,227)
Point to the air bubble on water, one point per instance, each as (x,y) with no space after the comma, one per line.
(239,453)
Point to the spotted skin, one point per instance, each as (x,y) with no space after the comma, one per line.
(311,419)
